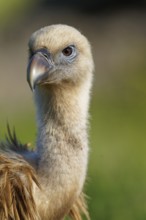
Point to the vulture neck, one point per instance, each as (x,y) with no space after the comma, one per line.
(62,147)
(62,143)
(62,114)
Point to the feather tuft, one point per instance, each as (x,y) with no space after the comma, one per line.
(17,179)
(79,208)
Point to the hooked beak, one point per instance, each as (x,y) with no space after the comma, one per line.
(38,68)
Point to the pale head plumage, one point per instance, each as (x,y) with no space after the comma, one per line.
(54,39)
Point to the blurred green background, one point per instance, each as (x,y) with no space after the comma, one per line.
(116,181)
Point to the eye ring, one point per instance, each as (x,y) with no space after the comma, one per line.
(67,51)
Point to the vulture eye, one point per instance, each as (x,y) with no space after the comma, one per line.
(68,51)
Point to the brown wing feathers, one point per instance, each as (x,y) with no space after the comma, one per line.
(16,195)
(17,178)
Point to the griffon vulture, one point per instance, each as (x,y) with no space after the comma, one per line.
(47,183)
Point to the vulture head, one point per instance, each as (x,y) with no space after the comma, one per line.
(58,55)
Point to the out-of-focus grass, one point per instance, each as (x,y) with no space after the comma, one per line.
(117,173)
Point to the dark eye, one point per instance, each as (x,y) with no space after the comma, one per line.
(67,51)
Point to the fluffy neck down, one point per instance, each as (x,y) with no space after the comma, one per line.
(62,145)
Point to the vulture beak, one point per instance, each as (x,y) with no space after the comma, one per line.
(38,68)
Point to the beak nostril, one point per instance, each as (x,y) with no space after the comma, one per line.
(45,55)
(44,52)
